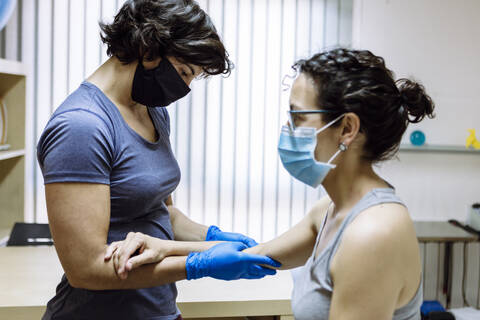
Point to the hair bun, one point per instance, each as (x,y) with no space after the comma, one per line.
(414,99)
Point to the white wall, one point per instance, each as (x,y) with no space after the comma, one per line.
(225,132)
(436,42)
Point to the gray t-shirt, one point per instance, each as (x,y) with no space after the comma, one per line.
(87,140)
(313,286)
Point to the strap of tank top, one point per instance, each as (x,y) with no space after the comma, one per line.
(319,233)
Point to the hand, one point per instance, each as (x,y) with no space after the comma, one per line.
(215,234)
(125,257)
(226,261)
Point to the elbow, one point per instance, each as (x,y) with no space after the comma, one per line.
(81,281)
(76,281)
(87,279)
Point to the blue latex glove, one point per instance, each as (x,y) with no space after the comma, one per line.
(226,261)
(215,234)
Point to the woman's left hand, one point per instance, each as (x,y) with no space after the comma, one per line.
(124,253)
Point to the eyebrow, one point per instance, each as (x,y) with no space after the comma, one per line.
(293,106)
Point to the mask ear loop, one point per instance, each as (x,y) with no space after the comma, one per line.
(341,148)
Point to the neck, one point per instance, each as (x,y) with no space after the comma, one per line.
(349,181)
(115,80)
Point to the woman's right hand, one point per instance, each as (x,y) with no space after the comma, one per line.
(137,249)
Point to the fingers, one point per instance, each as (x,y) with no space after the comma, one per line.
(146,257)
(111,249)
(258,272)
(238,246)
(250,242)
(268,271)
(258,259)
(253,277)
(133,242)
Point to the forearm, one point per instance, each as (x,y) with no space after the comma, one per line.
(100,274)
(291,249)
(288,258)
(183,248)
(184,228)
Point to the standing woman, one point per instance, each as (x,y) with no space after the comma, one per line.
(357,245)
(109,170)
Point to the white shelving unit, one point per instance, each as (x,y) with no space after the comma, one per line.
(5,155)
(13,79)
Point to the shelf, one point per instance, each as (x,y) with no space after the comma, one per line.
(12,67)
(437,148)
(9,154)
(13,83)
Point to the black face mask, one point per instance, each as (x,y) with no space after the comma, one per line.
(158,87)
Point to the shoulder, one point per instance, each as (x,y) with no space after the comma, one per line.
(377,239)
(80,120)
(76,128)
(386,221)
(85,105)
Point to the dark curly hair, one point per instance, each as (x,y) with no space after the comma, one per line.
(156,28)
(359,82)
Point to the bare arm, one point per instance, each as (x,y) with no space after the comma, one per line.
(293,247)
(183,227)
(79,216)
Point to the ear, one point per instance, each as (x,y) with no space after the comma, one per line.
(351,127)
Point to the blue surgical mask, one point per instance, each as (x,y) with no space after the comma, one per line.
(296,148)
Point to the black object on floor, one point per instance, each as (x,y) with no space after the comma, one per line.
(30,234)
(439,315)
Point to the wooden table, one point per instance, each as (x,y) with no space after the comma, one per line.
(441,231)
(29,275)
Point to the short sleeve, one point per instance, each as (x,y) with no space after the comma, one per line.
(76,146)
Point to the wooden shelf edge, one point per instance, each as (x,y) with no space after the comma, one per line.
(12,67)
(9,154)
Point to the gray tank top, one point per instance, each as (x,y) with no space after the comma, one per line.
(313,287)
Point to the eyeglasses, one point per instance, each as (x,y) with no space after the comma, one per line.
(291,114)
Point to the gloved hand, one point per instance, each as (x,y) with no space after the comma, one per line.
(226,261)
(215,234)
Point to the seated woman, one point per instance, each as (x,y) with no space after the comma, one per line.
(357,246)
